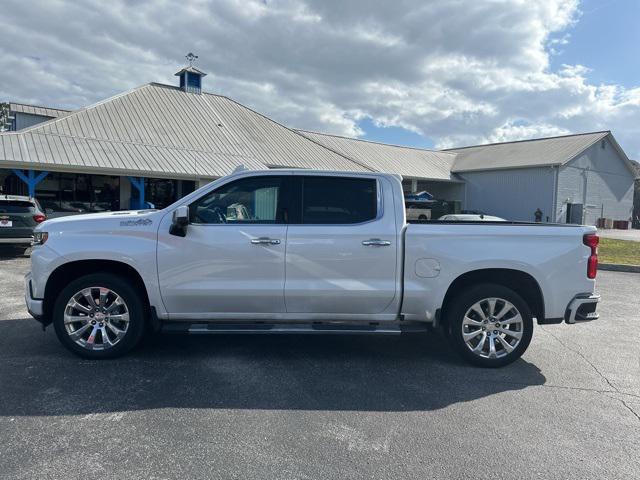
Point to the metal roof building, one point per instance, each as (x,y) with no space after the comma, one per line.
(422,170)
(22,115)
(157,142)
(537,152)
(161,131)
(36,110)
(406,161)
(571,178)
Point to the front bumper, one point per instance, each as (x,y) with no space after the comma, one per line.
(35,306)
(582,308)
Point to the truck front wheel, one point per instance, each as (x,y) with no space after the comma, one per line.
(490,325)
(99,316)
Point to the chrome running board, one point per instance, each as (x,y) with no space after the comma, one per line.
(291,328)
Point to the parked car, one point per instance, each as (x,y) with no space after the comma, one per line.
(418,211)
(320,252)
(19,215)
(460,217)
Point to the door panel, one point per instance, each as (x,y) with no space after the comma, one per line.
(216,269)
(328,268)
(330,271)
(231,261)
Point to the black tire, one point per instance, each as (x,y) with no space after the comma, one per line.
(464,301)
(126,291)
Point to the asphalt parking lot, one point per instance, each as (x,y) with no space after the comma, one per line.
(296,407)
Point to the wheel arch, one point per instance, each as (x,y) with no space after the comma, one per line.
(68,272)
(520,282)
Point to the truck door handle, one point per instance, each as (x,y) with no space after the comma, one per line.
(265,241)
(376,242)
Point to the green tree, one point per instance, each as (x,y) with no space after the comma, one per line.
(5,123)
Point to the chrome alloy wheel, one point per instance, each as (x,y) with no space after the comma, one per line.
(96,318)
(492,328)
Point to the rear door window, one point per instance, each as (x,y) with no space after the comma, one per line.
(330,200)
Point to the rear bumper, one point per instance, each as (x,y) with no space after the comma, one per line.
(34,305)
(582,308)
(16,240)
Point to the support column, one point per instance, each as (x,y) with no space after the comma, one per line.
(138,184)
(31,179)
(414,185)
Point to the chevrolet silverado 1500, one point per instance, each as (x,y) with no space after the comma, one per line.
(295,251)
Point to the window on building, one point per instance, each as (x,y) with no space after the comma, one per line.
(79,193)
(185,187)
(332,200)
(193,81)
(158,192)
(11,184)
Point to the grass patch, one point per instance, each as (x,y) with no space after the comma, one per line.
(626,252)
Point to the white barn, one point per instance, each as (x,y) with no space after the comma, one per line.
(572,178)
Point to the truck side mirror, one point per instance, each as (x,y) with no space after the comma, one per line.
(180,221)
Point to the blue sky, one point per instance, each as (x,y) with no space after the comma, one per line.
(393,135)
(605,39)
(430,74)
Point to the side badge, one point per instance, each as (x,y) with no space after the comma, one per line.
(136,223)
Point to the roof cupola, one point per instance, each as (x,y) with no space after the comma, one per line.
(191,77)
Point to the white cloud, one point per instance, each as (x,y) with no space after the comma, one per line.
(456,71)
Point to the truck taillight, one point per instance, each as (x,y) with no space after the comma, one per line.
(39,218)
(591,240)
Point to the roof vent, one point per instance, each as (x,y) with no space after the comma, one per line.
(191,77)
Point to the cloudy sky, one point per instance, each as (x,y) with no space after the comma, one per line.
(426,73)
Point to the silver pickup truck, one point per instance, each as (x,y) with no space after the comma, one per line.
(312,252)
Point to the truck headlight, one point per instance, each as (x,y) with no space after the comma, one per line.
(39,238)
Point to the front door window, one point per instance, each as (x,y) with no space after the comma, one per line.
(249,200)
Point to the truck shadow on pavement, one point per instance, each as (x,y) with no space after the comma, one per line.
(38,377)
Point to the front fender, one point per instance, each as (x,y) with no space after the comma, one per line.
(134,247)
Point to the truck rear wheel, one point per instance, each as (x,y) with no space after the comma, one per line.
(99,316)
(490,325)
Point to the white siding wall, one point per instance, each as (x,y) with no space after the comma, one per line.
(513,194)
(600,180)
